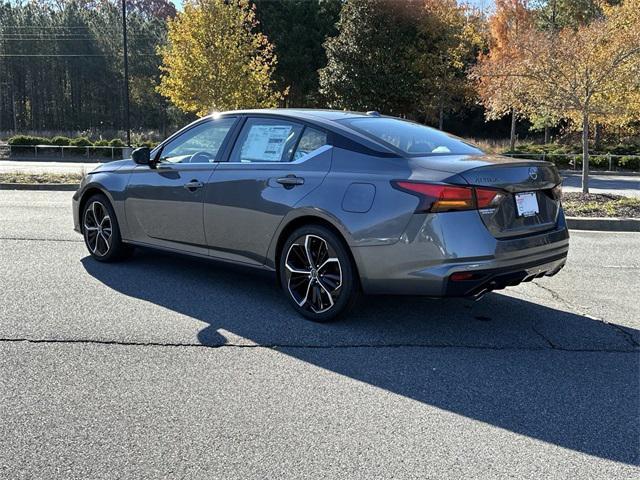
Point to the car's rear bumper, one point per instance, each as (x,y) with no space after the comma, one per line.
(434,247)
(487,280)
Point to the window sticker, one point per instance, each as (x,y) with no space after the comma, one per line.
(265,143)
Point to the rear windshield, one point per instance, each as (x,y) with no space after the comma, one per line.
(411,138)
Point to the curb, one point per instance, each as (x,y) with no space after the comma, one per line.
(604,224)
(600,172)
(59,187)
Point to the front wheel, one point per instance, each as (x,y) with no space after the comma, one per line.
(317,273)
(101,231)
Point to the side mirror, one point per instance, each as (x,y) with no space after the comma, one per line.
(141,156)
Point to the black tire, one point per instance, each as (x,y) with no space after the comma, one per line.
(328,286)
(101,231)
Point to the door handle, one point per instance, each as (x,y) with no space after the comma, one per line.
(193,185)
(290,181)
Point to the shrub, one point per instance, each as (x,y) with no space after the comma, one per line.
(20,140)
(116,142)
(101,143)
(629,162)
(560,159)
(599,161)
(80,142)
(60,141)
(623,149)
(28,140)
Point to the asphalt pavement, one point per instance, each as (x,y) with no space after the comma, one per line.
(168,367)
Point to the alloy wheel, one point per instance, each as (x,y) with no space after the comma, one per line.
(313,273)
(98,229)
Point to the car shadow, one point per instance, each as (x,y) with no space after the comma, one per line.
(548,374)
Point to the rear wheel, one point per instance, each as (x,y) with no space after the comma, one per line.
(317,273)
(101,231)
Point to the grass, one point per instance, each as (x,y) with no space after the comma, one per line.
(600,205)
(20,177)
(491,146)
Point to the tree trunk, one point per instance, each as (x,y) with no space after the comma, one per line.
(546,134)
(597,137)
(585,152)
(441,118)
(512,140)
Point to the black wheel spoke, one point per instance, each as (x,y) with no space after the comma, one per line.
(330,283)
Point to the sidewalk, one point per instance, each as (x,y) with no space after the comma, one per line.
(613,184)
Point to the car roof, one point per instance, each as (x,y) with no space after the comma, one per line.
(329,119)
(303,113)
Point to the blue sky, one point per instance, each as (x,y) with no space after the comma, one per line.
(484,4)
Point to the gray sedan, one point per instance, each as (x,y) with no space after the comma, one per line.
(335,203)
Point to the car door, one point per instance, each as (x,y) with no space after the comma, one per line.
(164,203)
(274,163)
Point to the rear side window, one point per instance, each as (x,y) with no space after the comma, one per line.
(411,138)
(310,141)
(266,140)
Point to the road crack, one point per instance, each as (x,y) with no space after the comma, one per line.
(579,310)
(545,338)
(29,239)
(284,346)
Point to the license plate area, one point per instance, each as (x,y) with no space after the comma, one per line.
(527,204)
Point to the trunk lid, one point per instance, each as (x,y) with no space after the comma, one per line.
(517,180)
(529,184)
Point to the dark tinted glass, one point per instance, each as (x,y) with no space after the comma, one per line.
(411,138)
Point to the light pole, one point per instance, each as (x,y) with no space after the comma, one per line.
(127,119)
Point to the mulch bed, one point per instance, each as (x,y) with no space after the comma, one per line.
(600,205)
(20,177)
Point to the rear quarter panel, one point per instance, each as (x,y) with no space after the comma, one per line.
(389,213)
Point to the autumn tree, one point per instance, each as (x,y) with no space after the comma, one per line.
(557,14)
(586,74)
(503,94)
(216,59)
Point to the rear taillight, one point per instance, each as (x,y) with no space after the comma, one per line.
(556,192)
(487,198)
(447,198)
(438,198)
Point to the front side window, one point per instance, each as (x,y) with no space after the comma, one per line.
(266,140)
(199,144)
(411,138)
